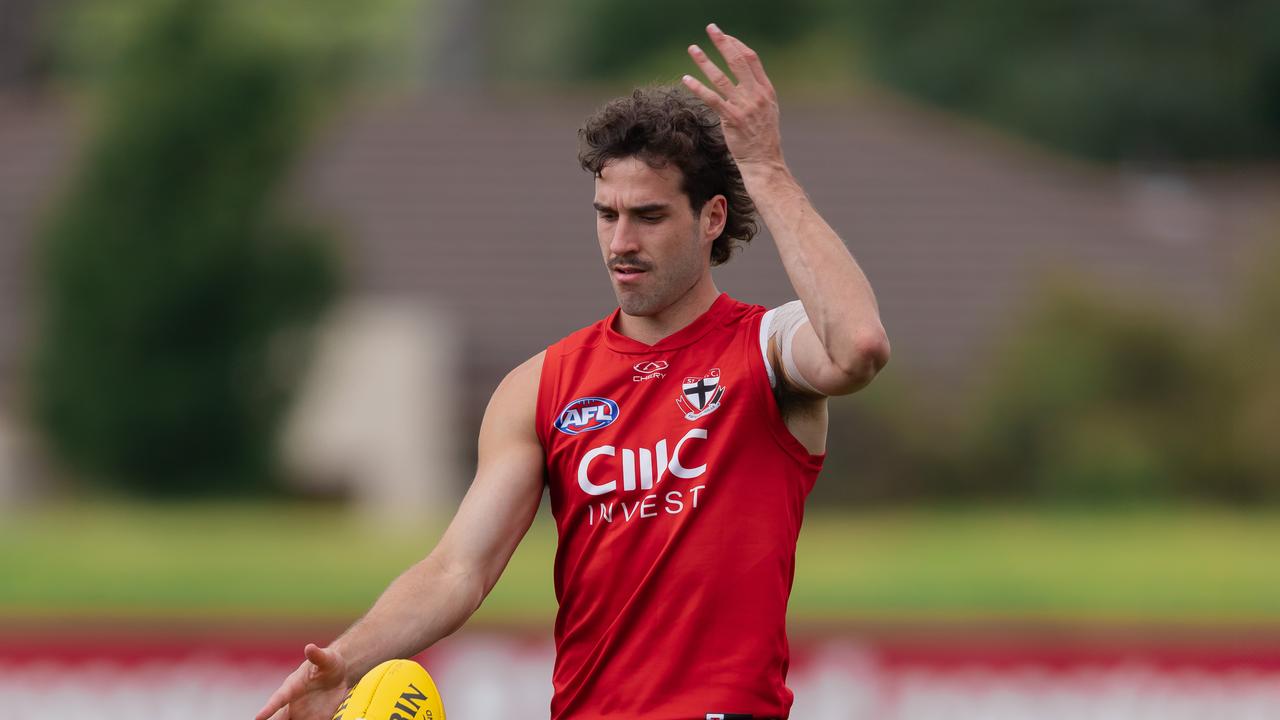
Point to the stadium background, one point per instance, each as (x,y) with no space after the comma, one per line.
(262,264)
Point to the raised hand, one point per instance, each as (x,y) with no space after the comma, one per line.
(748,110)
(313,691)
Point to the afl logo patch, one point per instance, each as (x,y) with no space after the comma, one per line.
(588,413)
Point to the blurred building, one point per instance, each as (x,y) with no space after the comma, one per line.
(476,211)
(23,61)
(481,208)
(36,148)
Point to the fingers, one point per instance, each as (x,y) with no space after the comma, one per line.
(750,60)
(711,70)
(330,667)
(277,707)
(757,67)
(322,662)
(322,658)
(706,94)
(735,53)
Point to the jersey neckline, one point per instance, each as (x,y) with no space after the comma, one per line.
(686,335)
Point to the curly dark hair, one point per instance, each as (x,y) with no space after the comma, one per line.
(664,124)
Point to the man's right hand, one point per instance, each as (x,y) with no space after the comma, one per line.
(313,691)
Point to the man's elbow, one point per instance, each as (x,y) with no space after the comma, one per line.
(466,584)
(868,354)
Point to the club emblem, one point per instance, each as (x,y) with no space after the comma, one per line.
(701,395)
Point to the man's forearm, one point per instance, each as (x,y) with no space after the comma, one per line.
(426,603)
(836,294)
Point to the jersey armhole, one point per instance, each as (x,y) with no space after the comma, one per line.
(548,391)
(763,334)
(761,378)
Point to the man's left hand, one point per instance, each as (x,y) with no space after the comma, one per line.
(748,110)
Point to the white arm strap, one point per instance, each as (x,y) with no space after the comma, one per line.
(782,323)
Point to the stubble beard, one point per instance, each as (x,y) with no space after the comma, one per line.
(664,287)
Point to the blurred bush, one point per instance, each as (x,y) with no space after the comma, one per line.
(886,445)
(172,275)
(1096,397)
(1099,397)
(1252,365)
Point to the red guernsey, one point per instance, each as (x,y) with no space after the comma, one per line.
(678,493)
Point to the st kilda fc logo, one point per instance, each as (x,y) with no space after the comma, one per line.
(701,395)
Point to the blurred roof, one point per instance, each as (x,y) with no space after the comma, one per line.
(480,208)
(483,208)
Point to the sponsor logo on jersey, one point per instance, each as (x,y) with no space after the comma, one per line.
(700,396)
(642,464)
(588,413)
(649,370)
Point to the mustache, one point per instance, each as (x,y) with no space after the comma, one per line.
(629,261)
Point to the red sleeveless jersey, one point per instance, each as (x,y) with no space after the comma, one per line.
(678,493)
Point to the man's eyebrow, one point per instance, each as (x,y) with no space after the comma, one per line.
(638,209)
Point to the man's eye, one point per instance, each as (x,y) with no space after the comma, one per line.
(651,218)
(607,217)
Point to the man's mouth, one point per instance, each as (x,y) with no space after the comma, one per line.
(627,271)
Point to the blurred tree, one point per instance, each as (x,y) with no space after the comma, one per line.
(330,43)
(553,43)
(1101,398)
(1144,79)
(170,270)
(613,38)
(1252,361)
(884,446)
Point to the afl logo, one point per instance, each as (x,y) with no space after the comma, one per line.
(588,413)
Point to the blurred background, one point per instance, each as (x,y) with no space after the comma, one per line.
(262,264)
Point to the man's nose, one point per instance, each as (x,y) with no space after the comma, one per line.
(625,240)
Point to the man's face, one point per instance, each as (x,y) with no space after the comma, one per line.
(653,244)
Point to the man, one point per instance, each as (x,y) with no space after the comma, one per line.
(679,436)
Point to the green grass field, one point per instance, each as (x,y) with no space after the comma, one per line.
(1185,565)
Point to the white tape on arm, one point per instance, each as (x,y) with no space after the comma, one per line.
(782,323)
(766,324)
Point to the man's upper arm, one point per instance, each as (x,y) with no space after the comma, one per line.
(503,499)
(797,360)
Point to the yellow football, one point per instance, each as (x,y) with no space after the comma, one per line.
(394,690)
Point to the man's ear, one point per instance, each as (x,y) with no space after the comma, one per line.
(715,213)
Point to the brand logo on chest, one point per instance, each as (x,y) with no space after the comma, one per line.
(649,370)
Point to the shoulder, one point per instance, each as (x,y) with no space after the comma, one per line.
(581,339)
(513,407)
(521,382)
(738,311)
